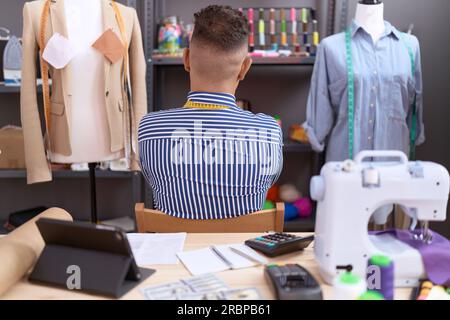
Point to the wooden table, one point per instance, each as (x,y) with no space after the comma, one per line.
(243,278)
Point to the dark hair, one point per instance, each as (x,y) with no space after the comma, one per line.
(221,27)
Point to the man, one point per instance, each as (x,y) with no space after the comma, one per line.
(210,159)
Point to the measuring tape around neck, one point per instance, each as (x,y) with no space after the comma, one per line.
(351,96)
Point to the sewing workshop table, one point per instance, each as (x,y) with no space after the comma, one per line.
(243,278)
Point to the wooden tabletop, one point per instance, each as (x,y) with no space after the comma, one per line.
(243,278)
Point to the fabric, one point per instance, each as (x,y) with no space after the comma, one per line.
(110,45)
(210,163)
(384,92)
(35,149)
(435,256)
(20,249)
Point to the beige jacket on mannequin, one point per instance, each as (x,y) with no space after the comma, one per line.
(38,169)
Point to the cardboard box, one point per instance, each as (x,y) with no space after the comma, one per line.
(12,151)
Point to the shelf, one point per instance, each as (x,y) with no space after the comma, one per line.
(287,61)
(68,174)
(297,147)
(300,225)
(9,89)
(15,89)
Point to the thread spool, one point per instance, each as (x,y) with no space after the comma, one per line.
(371,295)
(348,286)
(386,275)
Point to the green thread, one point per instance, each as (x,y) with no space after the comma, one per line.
(351,93)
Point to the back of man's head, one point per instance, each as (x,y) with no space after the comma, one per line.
(219,44)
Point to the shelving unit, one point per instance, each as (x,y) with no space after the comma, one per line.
(282,61)
(118,191)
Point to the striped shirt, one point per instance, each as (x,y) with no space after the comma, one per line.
(210,159)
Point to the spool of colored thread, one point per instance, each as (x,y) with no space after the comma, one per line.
(290,212)
(268,205)
(294,26)
(272,31)
(348,286)
(386,274)
(371,295)
(316,37)
(304,207)
(283,28)
(251,36)
(262,29)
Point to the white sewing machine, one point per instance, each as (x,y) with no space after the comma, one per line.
(349,193)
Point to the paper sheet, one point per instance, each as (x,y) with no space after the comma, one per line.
(202,261)
(156,248)
(59,51)
(207,261)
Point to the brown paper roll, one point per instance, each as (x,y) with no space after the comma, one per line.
(20,249)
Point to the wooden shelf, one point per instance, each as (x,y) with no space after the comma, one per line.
(68,174)
(287,61)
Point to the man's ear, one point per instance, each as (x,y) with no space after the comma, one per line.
(186,61)
(244,68)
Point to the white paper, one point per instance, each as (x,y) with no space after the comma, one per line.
(59,51)
(202,261)
(156,248)
(207,261)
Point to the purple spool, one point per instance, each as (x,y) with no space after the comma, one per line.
(380,276)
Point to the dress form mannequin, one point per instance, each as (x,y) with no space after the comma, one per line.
(370,15)
(89,132)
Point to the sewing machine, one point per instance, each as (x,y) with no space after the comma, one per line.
(350,193)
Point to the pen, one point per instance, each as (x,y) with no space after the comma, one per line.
(262,31)
(246,256)
(222,257)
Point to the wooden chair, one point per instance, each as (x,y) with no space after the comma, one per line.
(261,221)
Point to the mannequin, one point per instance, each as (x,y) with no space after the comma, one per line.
(370,15)
(89,130)
(92,50)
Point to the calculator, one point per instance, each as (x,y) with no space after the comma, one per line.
(276,244)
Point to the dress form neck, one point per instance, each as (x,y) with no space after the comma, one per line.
(371,18)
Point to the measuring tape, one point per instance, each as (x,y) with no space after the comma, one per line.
(351,96)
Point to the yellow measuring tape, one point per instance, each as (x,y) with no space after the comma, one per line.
(44,65)
(199,105)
